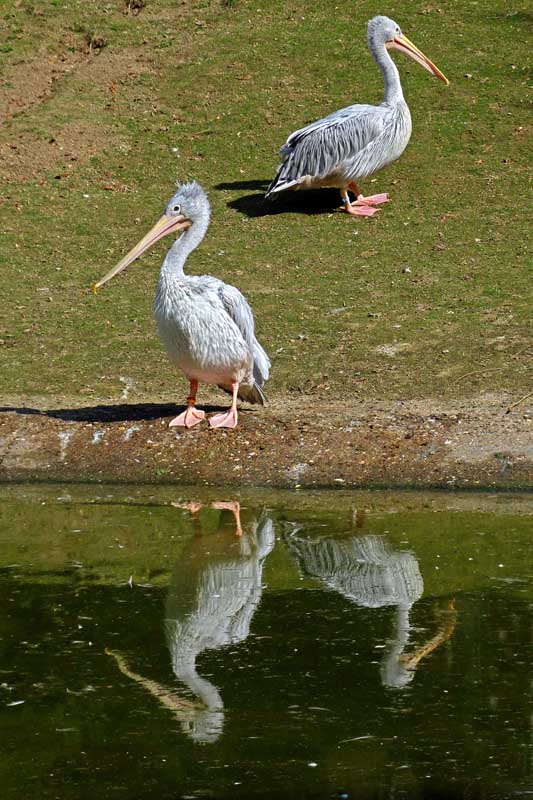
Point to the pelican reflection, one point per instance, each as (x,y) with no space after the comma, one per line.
(369,572)
(215,589)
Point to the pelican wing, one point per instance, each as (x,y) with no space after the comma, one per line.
(364,115)
(321,148)
(236,305)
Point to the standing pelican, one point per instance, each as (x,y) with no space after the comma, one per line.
(206,325)
(356,141)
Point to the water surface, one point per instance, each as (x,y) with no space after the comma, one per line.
(350,645)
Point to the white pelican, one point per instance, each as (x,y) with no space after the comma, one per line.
(359,140)
(206,325)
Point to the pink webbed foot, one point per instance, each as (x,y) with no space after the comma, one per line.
(188,418)
(360,210)
(226,420)
(372,200)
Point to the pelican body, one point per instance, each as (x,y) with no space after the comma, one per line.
(357,141)
(205,325)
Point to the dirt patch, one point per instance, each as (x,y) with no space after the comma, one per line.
(392,350)
(474,444)
(34,79)
(63,152)
(63,146)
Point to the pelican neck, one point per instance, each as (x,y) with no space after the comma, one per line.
(393,92)
(175,259)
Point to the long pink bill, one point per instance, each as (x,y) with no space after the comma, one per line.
(162,227)
(405,45)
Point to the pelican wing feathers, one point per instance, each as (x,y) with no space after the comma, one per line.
(329,146)
(237,307)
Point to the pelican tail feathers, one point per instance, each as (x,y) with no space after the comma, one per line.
(249,393)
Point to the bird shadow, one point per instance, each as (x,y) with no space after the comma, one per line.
(309,202)
(260,185)
(124,412)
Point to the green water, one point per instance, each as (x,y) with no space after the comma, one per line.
(346,645)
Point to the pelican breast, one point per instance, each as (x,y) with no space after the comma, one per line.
(197,332)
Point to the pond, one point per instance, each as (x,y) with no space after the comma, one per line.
(326,645)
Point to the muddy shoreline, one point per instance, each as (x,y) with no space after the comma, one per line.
(298,442)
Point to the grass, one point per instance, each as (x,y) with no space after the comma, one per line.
(429,299)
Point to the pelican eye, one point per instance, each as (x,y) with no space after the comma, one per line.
(176,209)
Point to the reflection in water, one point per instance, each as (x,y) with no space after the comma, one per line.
(216,588)
(303,688)
(167,697)
(214,592)
(367,571)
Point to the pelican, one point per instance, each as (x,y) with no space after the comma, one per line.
(206,325)
(359,140)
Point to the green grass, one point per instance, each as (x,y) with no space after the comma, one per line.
(225,83)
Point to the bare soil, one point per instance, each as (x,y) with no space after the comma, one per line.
(301,442)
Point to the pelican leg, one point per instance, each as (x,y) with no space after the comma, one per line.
(235,507)
(192,415)
(229,418)
(371,200)
(357,209)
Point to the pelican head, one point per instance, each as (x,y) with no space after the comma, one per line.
(384,32)
(188,205)
(190,201)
